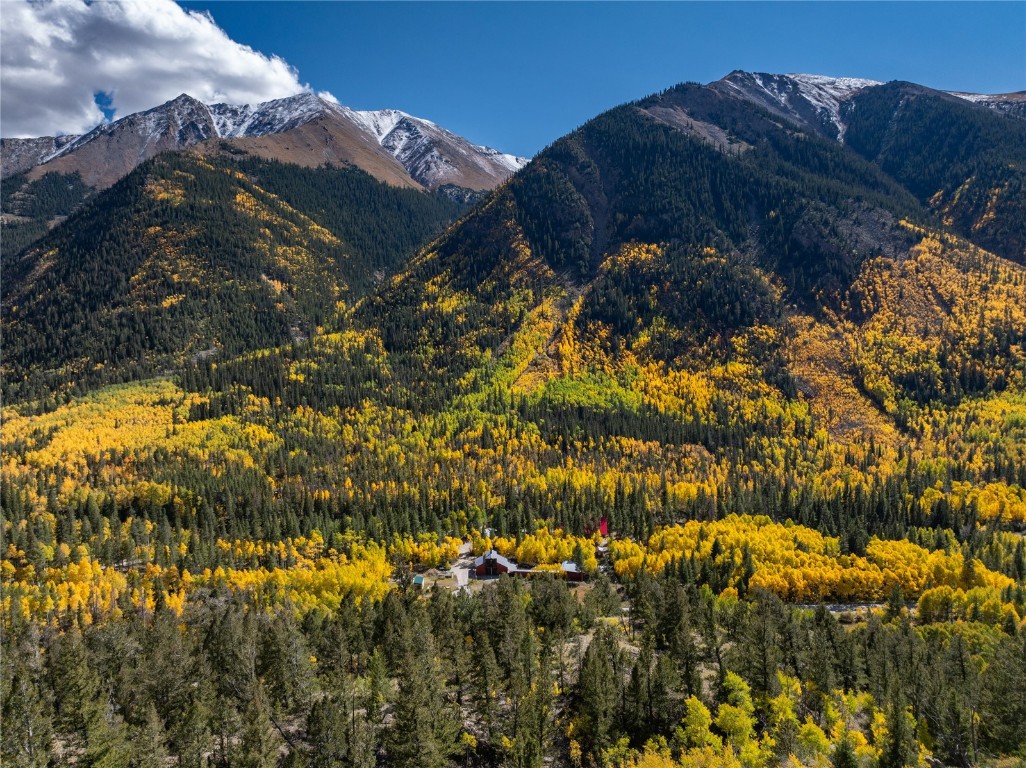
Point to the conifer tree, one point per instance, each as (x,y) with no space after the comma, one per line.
(597,693)
(899,749)
(1004,697)
(487,679)
(25,739)
(150,741)
(258,740)
(844,755)
(425,730)
(191,736)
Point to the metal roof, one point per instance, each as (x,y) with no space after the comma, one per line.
(493,555)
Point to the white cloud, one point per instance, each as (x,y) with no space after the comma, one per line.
(56,55)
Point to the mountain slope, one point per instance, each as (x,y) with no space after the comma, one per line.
(190,256)
(411,152)
(691,231)
(434,156)
(814,101)
(1012,104)
(960,154)
(20,155)
(966,162)
(661,171)
(678,311)
(752,351)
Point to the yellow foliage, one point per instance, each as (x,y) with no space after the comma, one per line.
(802,565)
(129,418)
(86,591)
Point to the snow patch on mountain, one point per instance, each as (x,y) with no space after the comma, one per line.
(828,93)
(973,97)
(814,100)
(417,143)
(830,89)
(1011,104)
(239,121)
(511,163)
(380,122)
(20,155)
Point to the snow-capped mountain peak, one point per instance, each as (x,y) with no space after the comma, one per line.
(237,121)
(417,144)
(821,102)
(184,118)
(427,154)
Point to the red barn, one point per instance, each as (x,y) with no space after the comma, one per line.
(492,564)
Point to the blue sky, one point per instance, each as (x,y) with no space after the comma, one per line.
(515,76)
(519,75)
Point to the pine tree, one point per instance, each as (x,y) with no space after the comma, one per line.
(150,742)
(338,734)
(597,691)
(426,728)
(899,748)
(75,684)
(85,711)
(487,681)
(327,732)
(533,727)
(378,685)
(1004,697)
(844,753)
(283,662)
(191,736)
(107,743)
(258,741)
(27,732)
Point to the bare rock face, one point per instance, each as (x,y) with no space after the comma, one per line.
(20,155)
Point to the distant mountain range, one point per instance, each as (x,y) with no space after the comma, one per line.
(306,129)
(795,181)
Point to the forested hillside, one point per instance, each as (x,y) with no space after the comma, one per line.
(191,257)
(963,161)
(792,390)
(29,209)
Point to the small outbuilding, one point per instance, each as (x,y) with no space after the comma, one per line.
(571,571)
(492,564)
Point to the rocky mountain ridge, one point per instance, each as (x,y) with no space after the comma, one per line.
(825,103)
(391,145)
